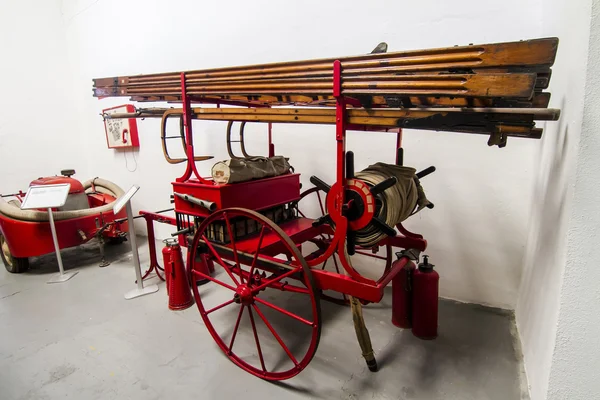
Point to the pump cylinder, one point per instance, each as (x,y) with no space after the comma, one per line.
(425,294)
(402,294)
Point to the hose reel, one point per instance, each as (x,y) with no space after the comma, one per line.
(375,200)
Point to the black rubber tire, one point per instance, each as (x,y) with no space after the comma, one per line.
(14,265)
(117,240)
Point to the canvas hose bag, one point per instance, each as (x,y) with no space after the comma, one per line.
(239,170)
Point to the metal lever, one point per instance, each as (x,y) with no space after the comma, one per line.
(351,242)
(182,231)
(425,172)
(349,165)
(320,184)
(382,186)
(382,226)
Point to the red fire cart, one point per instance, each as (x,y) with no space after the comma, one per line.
(277,251)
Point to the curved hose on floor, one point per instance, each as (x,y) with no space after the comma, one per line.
(12,210)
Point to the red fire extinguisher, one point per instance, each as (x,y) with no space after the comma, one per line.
(402,293)
(425,290)
(167,253)
(178,288)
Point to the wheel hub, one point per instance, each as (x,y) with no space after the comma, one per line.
(243,295)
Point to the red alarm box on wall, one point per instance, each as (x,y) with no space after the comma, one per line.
(121,133)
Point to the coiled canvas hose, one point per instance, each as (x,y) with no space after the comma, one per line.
(393,205)
(12,210)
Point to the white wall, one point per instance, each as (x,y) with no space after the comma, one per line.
(553,204)
(38,134)
(478,229)
(574,373)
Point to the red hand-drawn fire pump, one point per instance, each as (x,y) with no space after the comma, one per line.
(268,255)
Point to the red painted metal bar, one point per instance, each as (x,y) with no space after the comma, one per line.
(189,138)
(326,280)
(219,259)
(260,239)
(210,278)
(228,302)
(340,123)
(150,217)
(235,329)
(406,242)
(278,278)
(260,355)
(271,145)
(276,335)
(152,249)
(409,234)
(387,278)
(340,135)
(283,311)
(398,146)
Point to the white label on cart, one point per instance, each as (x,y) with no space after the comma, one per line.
(46,196)
(122,201)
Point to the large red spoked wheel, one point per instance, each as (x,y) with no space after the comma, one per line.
(262,310)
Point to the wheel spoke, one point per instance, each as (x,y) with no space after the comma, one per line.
(281,310)
(210,278)
(220,260)
(337,268)
(260,239)
(324,264)
(219,306)
(235,329)
(232,241)
(262,361)
(276,335)
(321,203)
(278,278)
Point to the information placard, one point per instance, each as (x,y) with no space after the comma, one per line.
(122,201)
(46,196)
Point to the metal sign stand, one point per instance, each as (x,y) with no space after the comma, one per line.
(140,290)
(62,276)
(50,196)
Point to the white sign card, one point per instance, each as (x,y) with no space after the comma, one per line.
(46,196)
(122,201)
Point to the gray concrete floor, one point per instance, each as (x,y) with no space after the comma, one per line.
(82,340)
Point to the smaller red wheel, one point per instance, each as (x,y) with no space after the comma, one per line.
(261,310)
(312,204)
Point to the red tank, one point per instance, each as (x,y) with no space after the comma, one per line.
(178,288)
(425,290)
(76,186)
(167,253)
(402,294)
